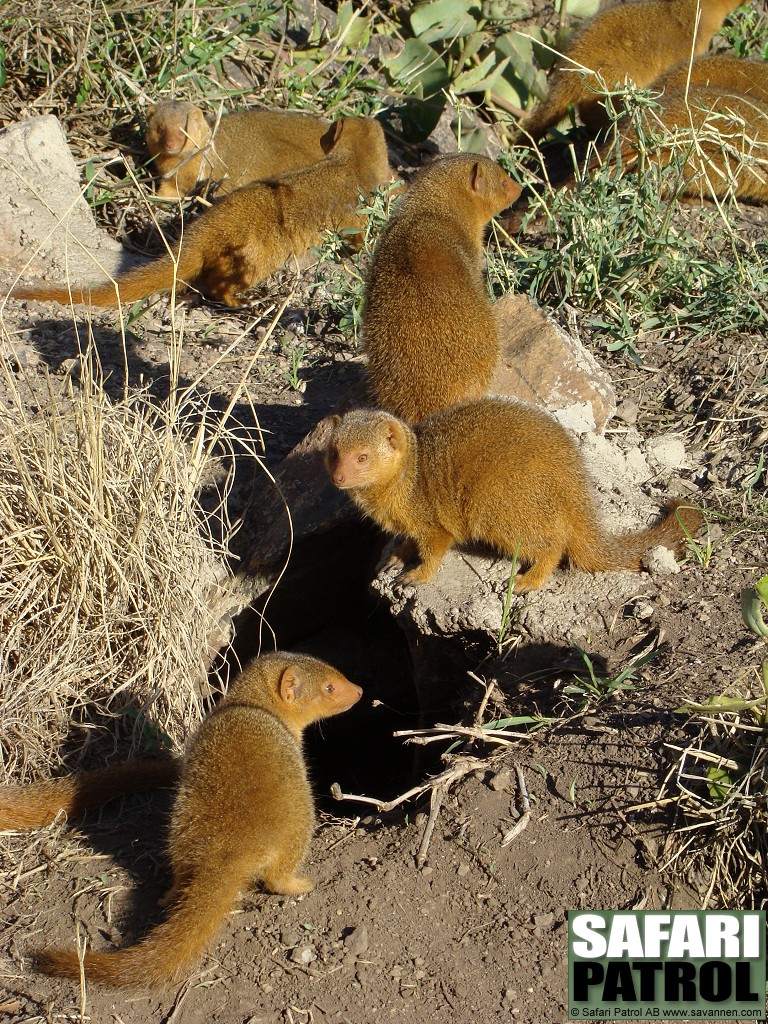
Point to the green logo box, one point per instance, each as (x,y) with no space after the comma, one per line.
(666,965)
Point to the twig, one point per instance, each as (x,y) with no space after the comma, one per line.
(422,737)
(435,803)
(460,767)
(522,822)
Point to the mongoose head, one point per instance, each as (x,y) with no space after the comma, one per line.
(308,689)
(365,448)
(486,187)
(363,139)
(173,126)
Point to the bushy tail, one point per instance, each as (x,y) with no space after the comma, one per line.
(163,955)
(25,807)
(157,276)
(625,551)
(566,88)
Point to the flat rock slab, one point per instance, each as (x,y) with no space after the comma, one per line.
(543,365)
(46,226)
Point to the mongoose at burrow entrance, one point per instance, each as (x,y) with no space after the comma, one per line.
(428,320)
(243,147)
(243,813)
(252,232)
(636,41)
(720,140)
(721,73)
(494,471)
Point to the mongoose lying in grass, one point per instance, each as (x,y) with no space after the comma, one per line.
(428,321)
(243,813)
(720,73)
(638,41)
(249,234)
(492,471)
(722,141)
(247,146)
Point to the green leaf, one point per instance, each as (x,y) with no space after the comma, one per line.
(354,33)
(580,8)
(719,783)
(418,69)
(762,590)
(443,19)
(3,75)
(481,78)
(752,603)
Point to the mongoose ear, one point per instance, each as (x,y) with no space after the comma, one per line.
(335,420)
(151,110)
(395,435)
(331,137)
(477,178)
(290,685)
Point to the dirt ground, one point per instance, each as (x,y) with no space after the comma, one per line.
(477,933)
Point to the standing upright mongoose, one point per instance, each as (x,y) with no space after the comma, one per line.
(243,147)
(428,321)
(251,233)
(243,813)
(720,72)
(638,41)
(720,138)
(493,471)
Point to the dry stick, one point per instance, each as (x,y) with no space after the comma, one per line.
(435,803)
(461,766)
(421,737)
(522,823)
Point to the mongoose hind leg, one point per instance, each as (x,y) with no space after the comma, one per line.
(538,572)
(283,881)
(431,548)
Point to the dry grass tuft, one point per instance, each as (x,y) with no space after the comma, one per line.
(110,571)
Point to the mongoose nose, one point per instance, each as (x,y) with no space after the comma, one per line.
(338,478)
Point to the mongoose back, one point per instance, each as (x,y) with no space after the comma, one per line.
(492,471)
(638,41)
(251,233)
(428,320)
(722,140)
(246,146)
(243,813)
(721,73)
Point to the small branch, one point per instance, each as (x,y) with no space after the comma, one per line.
(435,803)
(461,766)
(522,822)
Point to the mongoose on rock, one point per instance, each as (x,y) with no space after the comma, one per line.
(428,320)
(638,41)
(243,813)
(720,73)
(251,233)
(721,138)
(246,146)
(493,471)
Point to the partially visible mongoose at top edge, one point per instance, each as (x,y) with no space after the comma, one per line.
(638,41)
(243,813)
(428,320)
(251,233)
(243,147)
(493,471)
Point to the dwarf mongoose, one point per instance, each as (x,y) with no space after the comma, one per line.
(428,320)
(251,233)
(638,41)
(246,146)
(493,471)
(720,138)
(243,813)
(721,73)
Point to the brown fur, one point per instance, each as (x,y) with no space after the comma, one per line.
(638,41)
(246,146)
(243,813)
(428,321)
(721,73)
(735,160)
(252,232)
(491,471)
(25,807)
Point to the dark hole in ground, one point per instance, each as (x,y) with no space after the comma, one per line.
(323,606)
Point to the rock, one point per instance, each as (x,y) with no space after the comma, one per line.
(303,955)
(543,365)
(661,561)
(46,226)
(667,453)
(356,941)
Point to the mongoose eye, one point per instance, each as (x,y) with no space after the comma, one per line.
(330,688)
(362,457)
